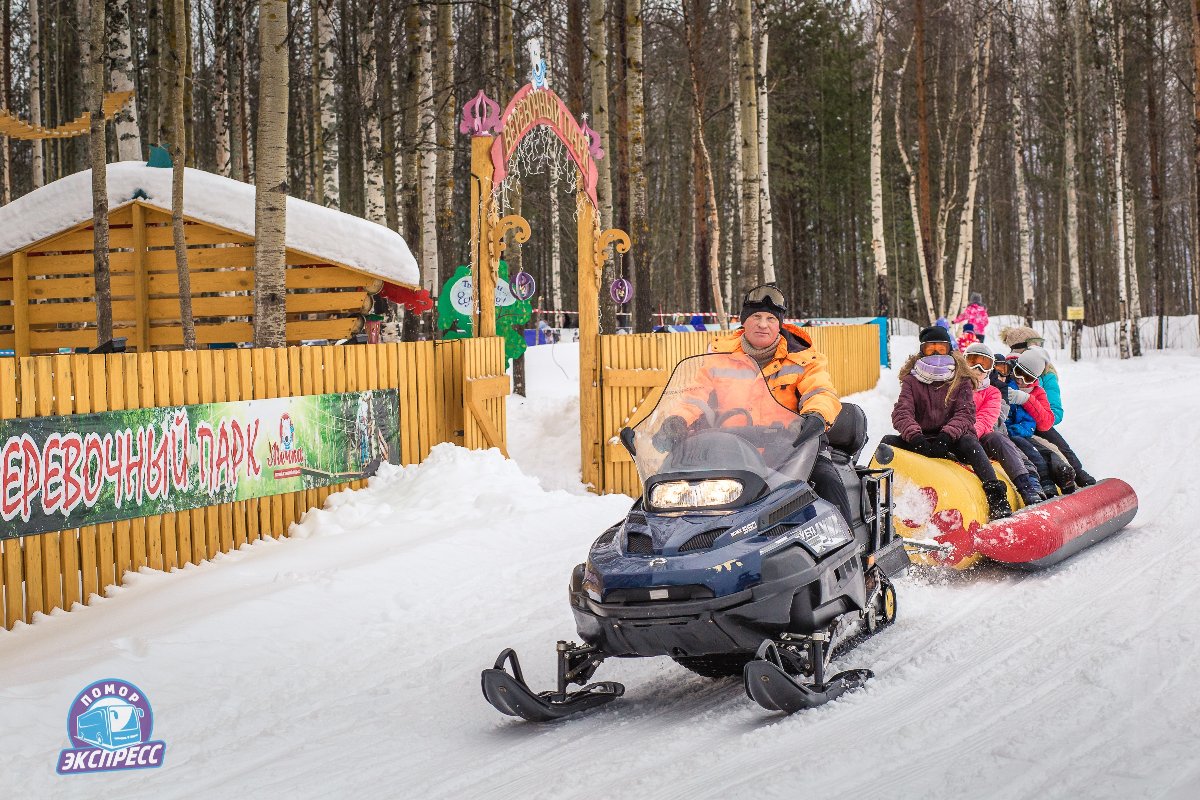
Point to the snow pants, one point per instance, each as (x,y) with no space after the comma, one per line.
(1000,447)
(965,448)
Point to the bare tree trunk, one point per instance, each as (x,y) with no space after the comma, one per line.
(35,91)
(1072,69)
(1116,77)
(221,86)
(1018,156)
(179,40)
(751,214)
(373,109)
(713,220)
(937,276)
(1196,153)
(387,115)
(120,54)
(428,155)
(734,276)
(330,184)
(575,60)
(1154,133)
(638,259)
(878,244)
(980,68)
(598,59)
(270,179)
(914,203)
(444,82)
(98,155)
(767,245)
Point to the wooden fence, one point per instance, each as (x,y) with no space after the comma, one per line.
(449,392)
(635,368)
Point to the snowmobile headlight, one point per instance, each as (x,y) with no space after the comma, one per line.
(825,534)
(695,494)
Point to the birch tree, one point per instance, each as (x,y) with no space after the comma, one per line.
(748,87)
(937,277)
(638,258)
(387,113)
(767,233)
(1116,75)
(598,61)
(372,153)
(878,244)
(1196,153)
(98,155)
(179,43)
(120,54)
(737,177)
(221,87)
(428,155)
(964,254)
(35,91)
(327,141)
(1072,72)
(914,202)
(447,105)
(270,179)
(1018,156)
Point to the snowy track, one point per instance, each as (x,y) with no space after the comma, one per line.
(346,663)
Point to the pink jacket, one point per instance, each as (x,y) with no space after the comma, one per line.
(976,315)
(987,409)
(1038,406)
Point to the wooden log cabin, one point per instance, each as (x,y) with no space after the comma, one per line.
(335,262)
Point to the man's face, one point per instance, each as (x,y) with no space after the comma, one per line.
(762,329)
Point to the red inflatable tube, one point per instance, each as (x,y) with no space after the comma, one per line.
(1046,533)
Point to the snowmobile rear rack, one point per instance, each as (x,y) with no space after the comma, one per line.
(509,693)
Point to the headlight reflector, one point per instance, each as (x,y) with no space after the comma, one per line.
(695,494)
(825,533)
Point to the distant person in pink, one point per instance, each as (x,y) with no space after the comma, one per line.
(975,314)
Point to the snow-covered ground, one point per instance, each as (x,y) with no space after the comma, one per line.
(344,662)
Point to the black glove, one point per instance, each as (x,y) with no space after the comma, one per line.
(918,439)
(809,426)
(944,439)
(671,433)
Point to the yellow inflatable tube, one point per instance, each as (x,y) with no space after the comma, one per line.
(937,500)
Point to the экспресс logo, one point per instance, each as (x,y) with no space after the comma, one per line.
(109,727)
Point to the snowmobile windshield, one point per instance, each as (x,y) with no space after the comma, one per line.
(715,424)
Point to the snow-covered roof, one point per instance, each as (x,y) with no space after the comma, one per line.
(326,233)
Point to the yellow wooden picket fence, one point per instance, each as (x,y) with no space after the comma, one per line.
(634,369)
(448,392)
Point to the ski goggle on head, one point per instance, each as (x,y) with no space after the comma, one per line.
(1036,341)
(766,294)
(935,348)
(1002,367)
(981,363)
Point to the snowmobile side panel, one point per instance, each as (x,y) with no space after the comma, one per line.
(1049,532)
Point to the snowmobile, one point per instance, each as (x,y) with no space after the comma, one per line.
(728,563)
(943,516)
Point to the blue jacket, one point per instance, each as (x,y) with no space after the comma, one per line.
(1049,382)
(1020,422)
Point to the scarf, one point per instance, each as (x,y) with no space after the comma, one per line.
(934,369)
(761,355)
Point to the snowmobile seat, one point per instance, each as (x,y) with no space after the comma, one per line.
(848,434)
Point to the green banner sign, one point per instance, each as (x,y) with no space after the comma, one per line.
(58,473)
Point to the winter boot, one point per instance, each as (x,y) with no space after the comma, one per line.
(1064,477)
(1084,479)
(996,493)
(1030,489)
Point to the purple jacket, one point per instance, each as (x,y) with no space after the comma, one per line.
(922,408)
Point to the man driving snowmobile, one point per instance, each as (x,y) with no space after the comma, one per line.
(796,374)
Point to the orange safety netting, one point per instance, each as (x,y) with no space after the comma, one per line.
(17,128)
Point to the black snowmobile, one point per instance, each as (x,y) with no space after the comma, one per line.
(729,563)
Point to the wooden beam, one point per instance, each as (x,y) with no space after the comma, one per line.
(21,303)
(635,378)
(141,284)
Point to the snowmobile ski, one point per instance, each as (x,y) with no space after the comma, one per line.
(769,683)
(509,693)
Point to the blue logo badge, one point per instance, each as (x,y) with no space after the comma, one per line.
(109,727)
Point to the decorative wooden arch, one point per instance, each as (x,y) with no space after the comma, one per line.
(14,127)
(495,137)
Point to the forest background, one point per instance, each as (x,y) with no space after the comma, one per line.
(870,156)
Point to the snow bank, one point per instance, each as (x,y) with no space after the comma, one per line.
(323,232)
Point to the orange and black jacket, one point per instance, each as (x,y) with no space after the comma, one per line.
(798,378)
